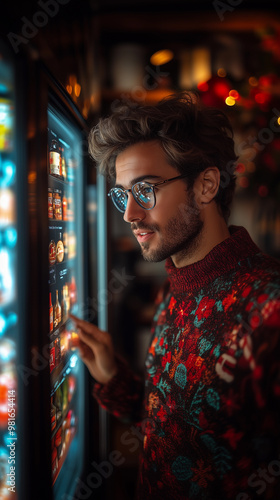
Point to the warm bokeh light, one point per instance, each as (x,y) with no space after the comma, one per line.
(261,97)
(201,65)
(253,81)
(230,101)
(234,94)
(221,89)
(203,86)
(69,89)
(265,81)
(221,72)
(77,89)
(240,168)
(161,57)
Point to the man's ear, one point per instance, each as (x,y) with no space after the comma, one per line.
(207,185)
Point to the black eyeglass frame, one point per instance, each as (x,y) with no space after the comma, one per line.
(152,185)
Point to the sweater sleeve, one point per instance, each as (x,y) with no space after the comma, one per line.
(122,395)
(261,388)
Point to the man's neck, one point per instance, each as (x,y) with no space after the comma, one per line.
(214,231)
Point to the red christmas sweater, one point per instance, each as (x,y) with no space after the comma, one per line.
(209,411)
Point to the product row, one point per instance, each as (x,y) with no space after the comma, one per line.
(59,312)
(60,205)
(64,343)
(61,442)
(61,400)
(62,249)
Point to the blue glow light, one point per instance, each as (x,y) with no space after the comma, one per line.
(12,319)
(7,173)
(3,324)
(3,453)
(11,237)
(3,88)
(6,274)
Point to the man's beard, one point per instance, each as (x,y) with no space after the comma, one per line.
(180,235)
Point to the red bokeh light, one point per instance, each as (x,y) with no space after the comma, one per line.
(263,191)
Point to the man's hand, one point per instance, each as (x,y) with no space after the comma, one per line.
(96,350)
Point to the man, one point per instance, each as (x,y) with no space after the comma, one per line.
(209,409)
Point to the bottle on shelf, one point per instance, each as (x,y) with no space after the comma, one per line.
(50,203)
(54,159)
(51,312)
(57,204)
(60,164)
(63,164)
(59,249)
(57,311)
(52,357)
(52,253)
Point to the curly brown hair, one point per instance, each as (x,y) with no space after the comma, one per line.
(192,136)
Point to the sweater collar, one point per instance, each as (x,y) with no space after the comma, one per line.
(223,258)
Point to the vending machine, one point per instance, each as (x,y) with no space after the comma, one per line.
(45,427)
(66,254)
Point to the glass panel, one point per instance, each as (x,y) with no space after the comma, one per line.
(65,203)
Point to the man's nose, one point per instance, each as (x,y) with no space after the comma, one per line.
(133,211)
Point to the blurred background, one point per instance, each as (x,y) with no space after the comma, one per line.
(105,52)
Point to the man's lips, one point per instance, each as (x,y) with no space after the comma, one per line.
(143,235)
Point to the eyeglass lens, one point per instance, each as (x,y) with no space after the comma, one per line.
(119,199)
(142,192)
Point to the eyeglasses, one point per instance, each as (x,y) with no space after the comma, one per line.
(143,192)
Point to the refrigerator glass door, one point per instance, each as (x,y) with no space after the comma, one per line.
(65,221)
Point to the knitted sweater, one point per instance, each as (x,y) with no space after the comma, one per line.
(210,412)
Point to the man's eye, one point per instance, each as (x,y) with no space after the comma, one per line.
(145,190)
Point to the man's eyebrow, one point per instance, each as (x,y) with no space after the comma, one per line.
(139,179)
